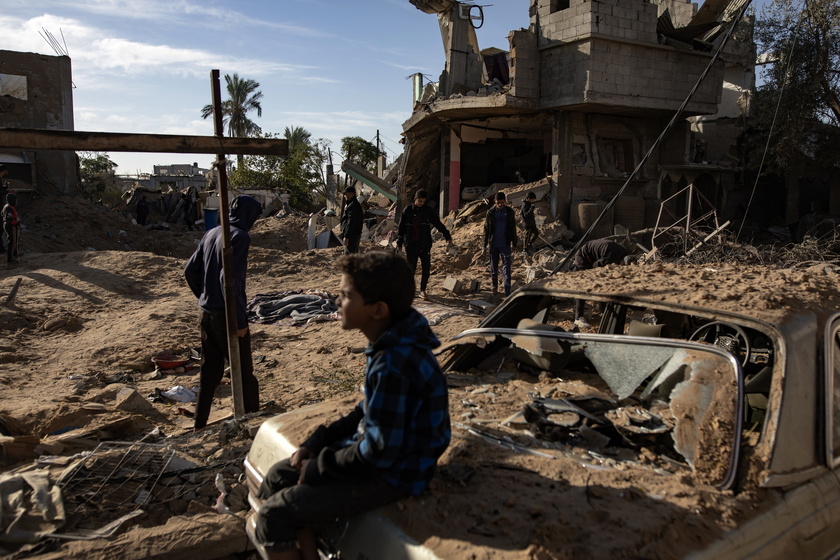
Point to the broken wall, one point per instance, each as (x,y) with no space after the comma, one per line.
(604,151)
(524,65)
(608,53)
(46,104)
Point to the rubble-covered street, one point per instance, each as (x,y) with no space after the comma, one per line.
(77,382)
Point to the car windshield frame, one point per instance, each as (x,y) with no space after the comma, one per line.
(580,338)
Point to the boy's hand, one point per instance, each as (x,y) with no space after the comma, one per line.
(298,457)
(303,465)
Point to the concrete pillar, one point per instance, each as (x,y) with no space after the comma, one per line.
(454,170)
(380,166)
(561,166)
(464,64)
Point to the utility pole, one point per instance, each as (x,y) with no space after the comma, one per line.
(227,257)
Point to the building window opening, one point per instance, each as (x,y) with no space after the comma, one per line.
(14,86)
(558,5)
(617,154)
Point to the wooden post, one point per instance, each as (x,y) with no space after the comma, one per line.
(227,256)
(11,297)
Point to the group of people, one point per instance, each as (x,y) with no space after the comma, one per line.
(414,234)
(10,220)
(387,447)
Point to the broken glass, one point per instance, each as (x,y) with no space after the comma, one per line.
(676,398)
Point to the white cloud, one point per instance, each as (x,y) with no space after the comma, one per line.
(98,56)
(166,11)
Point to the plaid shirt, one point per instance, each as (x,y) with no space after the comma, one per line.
(405,423)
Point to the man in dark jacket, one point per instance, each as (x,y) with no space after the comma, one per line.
(387,447)
(499,237)
(11,225)
(205,278)
(529,220)
(595,254)
(142,210)
(4,189)
(415,232)
(351,221)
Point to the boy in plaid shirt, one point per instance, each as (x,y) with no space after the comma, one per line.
(387,447)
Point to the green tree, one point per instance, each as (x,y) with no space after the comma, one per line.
(297,136)
(243,98)
(293,172)
(96,171)
(359,151)
(799,98)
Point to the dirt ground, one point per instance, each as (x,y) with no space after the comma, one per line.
(100,296)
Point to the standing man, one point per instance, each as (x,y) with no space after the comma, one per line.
(4,188)
(205,278)
(529,221)
(11,225)
(500,237)
(351,221)
(142,210)
(415,232)
(595,254)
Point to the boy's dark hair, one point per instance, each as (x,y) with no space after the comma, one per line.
(500,196)
(381,276)
(531,195)
(421,194)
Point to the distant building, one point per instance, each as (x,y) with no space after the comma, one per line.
(36,92)
(176,176)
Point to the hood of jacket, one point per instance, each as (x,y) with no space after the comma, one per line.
(244,211)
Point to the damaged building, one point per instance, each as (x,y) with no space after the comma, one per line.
(36,92)
(580,98)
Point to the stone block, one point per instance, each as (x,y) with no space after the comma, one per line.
(453,285)
(129,400)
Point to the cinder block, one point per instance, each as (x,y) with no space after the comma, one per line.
(452,284)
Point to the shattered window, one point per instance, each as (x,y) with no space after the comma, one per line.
(14,86)
(668,396)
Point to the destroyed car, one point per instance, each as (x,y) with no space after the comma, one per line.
(701,420)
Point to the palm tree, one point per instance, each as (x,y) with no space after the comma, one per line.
(243,98)
(297,136)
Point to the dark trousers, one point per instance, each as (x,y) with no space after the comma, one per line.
(414,253)
(502,253)
(12,232)
(289,506)
(352,245)
(531,234)
(214,352)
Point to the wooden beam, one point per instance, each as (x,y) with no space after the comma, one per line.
(29,139)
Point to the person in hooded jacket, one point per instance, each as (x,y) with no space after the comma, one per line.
(11,225)
(205,278)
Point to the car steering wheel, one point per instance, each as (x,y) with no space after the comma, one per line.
(727,336)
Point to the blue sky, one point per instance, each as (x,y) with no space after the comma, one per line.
(334,67)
